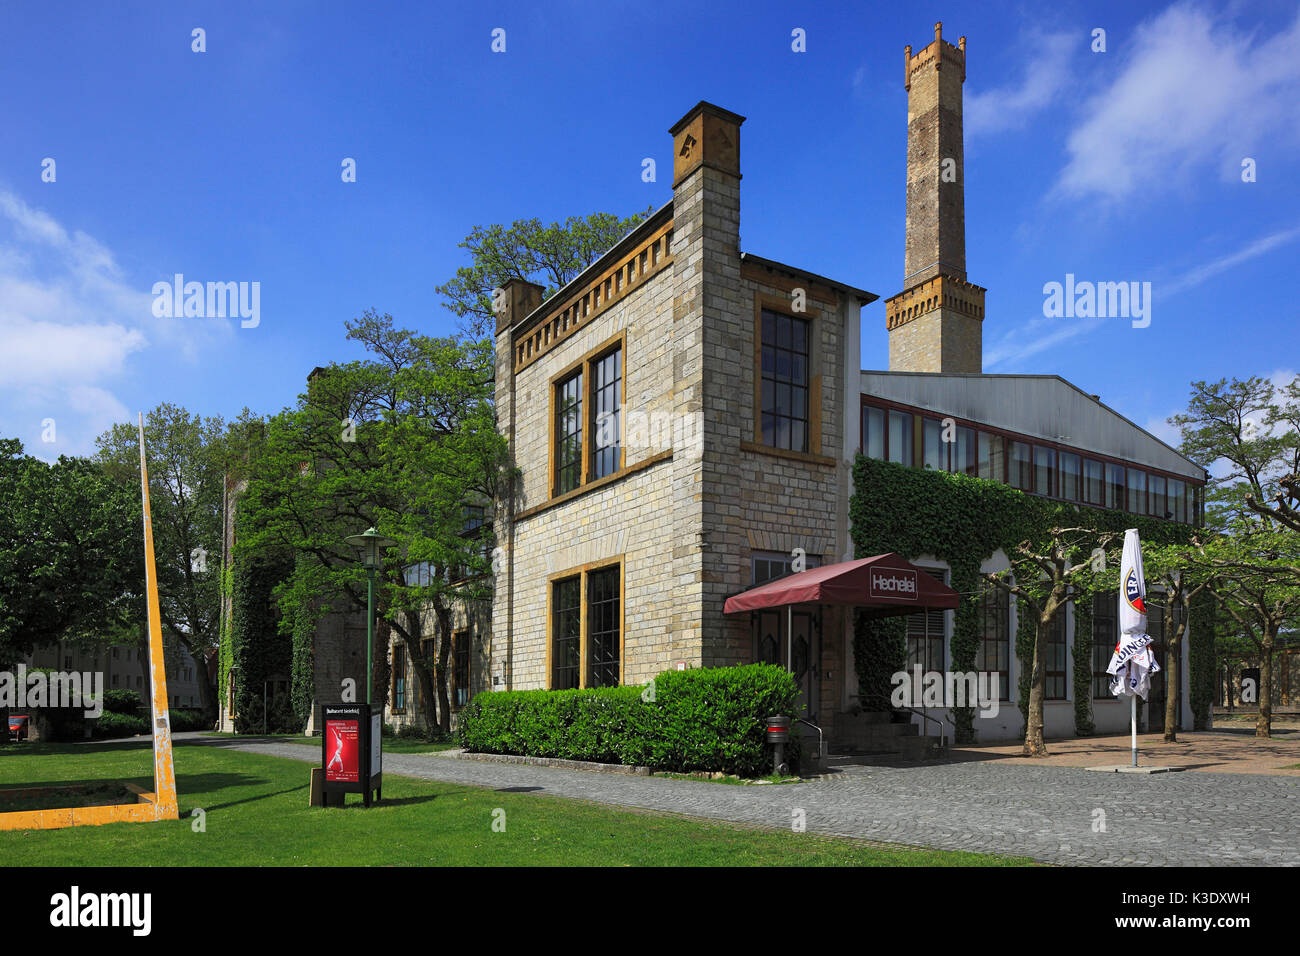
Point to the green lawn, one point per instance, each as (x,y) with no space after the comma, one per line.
(257,814)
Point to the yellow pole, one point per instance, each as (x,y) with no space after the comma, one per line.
(164,773)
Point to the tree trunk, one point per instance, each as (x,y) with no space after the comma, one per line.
(422,669)
(1171,682)
(1034,746)
(1264,725)
(443,615)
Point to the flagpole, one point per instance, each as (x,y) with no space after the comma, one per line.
(1133,701)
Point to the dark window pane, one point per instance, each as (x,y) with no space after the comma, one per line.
(1115,486)
(607,427)
(994,651)
(566,633)
(873,431)
(933,450)
(1137,491)
(1092,482)
(1156,493)
(1044,470)
(1105,635)
(568,434)
(900,438)
(963,460)
(1070,476)
(992,457)
(1054,685)
(460,668)
(783,391)
(1021,466)
(603,626)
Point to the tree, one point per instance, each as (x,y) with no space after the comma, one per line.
(1252,428)
(71,555)
(1257,582)
(186,461)
(404,442)
(550,255)
(1044,575)
(1250,434)
(1174,579)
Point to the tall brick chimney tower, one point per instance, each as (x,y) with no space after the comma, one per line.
(935,323)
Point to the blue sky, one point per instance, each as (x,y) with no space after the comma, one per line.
(225,166)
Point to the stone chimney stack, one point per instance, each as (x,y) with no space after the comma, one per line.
(935,323)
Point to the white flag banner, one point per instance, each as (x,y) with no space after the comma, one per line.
(1132,664)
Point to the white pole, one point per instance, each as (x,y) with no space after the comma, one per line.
(1133,700)
(789,638)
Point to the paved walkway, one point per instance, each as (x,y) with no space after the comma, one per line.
(1235,750)
(1047,813)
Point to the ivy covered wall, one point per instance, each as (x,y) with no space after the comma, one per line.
(1202,674)
(254,646)
(962,521)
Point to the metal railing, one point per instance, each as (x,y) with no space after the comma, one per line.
(820,745)
(943,740)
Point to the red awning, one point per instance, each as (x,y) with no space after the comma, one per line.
(887,584)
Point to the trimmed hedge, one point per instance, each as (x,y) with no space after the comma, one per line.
(708,719)
(111,724)
(122,701)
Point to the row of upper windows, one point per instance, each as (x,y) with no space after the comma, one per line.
(891,435)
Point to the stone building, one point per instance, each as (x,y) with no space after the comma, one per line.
(685,417)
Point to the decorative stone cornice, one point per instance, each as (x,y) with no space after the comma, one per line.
(940,292)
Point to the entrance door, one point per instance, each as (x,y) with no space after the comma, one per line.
(798,652)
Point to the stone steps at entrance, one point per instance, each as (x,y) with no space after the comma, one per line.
(910,749)
(874,734)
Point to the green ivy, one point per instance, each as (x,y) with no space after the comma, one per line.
(1083,725)
(1202,673)
(303,675)
(1026,634)
(879,650)
(257,648)
(963,520)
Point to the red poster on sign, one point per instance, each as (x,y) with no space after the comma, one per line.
(342,765)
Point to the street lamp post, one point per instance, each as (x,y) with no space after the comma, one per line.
(371,544)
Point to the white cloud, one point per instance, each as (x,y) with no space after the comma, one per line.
(1194,96)
(1037,335)
(38,352)
(70,325)
(1012,106)
(1194,277)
